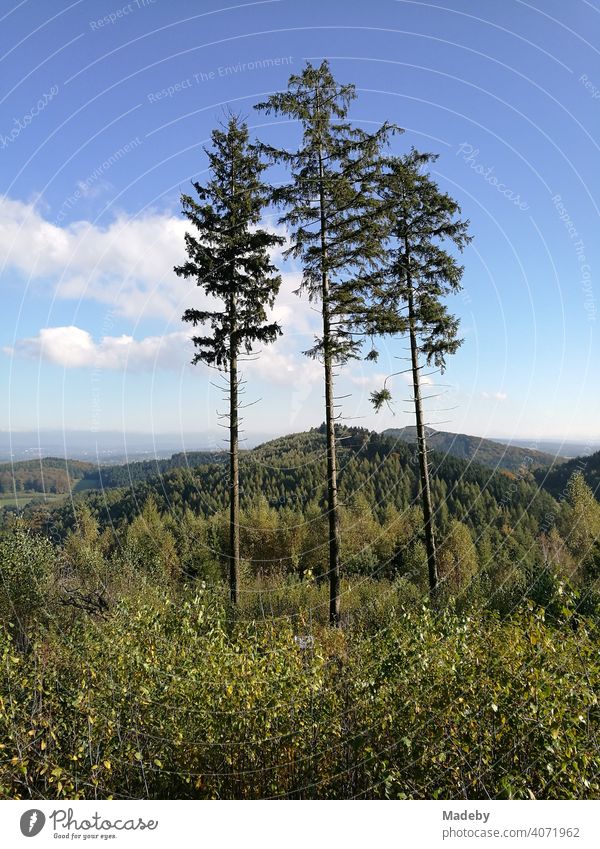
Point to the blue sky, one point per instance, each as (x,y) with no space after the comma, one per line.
(104,109)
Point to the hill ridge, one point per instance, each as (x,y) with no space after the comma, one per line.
(487,452)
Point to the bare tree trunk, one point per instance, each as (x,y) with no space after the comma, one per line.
(234,473)
(334,519)
(333,513)
(422,448)
(234,484)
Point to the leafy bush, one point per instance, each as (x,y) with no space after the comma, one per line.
(171,697)
(26,585)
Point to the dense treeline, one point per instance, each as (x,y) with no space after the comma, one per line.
(57,476)
(288,473)
(507,529)
(556,479)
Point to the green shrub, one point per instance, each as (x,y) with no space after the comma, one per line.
(172,698)
(27,572)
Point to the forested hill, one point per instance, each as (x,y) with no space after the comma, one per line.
(290,473)
(51,474)
(141,470)
(555,479)
(487,452)
(55,475)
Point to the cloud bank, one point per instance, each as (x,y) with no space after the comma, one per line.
(71,347)
(128,264)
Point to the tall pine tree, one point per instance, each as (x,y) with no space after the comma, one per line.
(336,230)
(228,257)
(407,293)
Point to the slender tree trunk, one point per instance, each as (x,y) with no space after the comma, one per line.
(422,446)
(333,513)
(234,473)
(234,483)
(334,519)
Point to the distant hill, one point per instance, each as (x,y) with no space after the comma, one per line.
(55,476)
(486,452)
(555,480)
(50,475)
(566,448)
(108,447)
(142,470)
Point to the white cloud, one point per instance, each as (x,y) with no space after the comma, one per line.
(368,381)
(71,347)
(127,265)
(494,396)
(425,380)
(291,369)
(93,189)
(372,381)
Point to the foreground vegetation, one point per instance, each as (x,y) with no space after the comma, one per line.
(171,697)
(126,672)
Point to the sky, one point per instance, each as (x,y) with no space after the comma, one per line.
(105,109)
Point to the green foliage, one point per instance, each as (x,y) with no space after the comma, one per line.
(170,699)
(103,477)
(457,558)
(418,273)
(380,397)
(197,547)
(149,545)
(336,226)
(583,536)
(556,480)
(228,255)
(27,568)
(406,293)
(289,472)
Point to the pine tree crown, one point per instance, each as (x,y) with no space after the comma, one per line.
(229,253)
